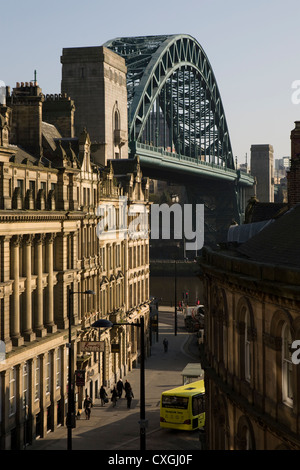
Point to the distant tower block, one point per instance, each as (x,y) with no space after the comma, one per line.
(262,168)
(95,78)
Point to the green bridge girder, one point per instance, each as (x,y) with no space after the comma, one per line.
(177,124)
(173,98)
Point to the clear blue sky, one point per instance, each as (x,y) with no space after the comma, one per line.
(253,47)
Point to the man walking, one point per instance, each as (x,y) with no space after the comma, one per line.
(88,407)
(120,387)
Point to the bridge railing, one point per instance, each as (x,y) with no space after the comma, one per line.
(180,157)
(158,152)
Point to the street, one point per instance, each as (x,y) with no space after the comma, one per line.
(117,428)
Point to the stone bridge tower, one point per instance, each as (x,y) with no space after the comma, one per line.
(95,78)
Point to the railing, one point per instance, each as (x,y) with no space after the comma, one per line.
(158,152)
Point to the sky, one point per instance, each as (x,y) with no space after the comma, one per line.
(253,48)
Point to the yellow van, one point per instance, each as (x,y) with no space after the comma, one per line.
(183,407)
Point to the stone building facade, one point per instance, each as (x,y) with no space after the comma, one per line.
(51,253)
(95,78)
(253,318)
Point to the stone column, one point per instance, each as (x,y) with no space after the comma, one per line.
(51,327)
(39,320)
(17,340)
(29,335)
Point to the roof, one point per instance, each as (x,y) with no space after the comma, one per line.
(21,156)
(50,133)
(242,233)
(187,389)
(266,210)
(278,243)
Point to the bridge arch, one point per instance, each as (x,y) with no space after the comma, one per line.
(173,98)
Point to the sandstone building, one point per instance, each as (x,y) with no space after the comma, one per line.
(253,317)
(53,254)
(95,78)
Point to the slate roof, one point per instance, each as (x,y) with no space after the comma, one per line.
(266,210)
(50,133)
(278,243)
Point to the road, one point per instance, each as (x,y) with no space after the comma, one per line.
(118,428)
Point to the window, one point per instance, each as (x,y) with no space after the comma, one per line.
(12,391)
(198,404)
(37,379)
(247,349)
(32,187)
(58,368)
(117,121)
(20,184)
(25,385)
(287,366)
(180,403)
(48,372)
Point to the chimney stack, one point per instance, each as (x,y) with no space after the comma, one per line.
(26,103)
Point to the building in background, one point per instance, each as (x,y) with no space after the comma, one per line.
(262,168)
(51,252)
(253,316)
(95,78)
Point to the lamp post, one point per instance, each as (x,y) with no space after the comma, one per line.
(71,421)
(107,324)
(175,294)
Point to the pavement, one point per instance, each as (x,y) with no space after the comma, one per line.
(112,428)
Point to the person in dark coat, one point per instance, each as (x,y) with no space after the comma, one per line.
(127,386)
(114,396)
(88,407)
(120,388)
(103,395)
(129,396)
(165,343)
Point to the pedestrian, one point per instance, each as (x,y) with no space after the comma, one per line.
(88,407)
(103,395)
(129,396)
(165,343)
(120,388)
(114,396)
(127,386)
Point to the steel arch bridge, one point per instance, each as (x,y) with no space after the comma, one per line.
(176,119)
(173,97)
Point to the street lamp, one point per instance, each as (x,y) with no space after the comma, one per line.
(107,324)
(175,293)
(71,421)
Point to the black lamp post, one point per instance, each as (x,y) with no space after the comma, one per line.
(175,294)
(71,421)
(107,324)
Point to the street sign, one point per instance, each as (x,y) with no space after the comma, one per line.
(80,378)
(92,346)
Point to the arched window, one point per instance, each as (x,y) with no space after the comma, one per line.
(245,436)
(247,337)
(117,121)
(247,348)
(287,366)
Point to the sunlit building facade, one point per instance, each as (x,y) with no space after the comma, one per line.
(56,264)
